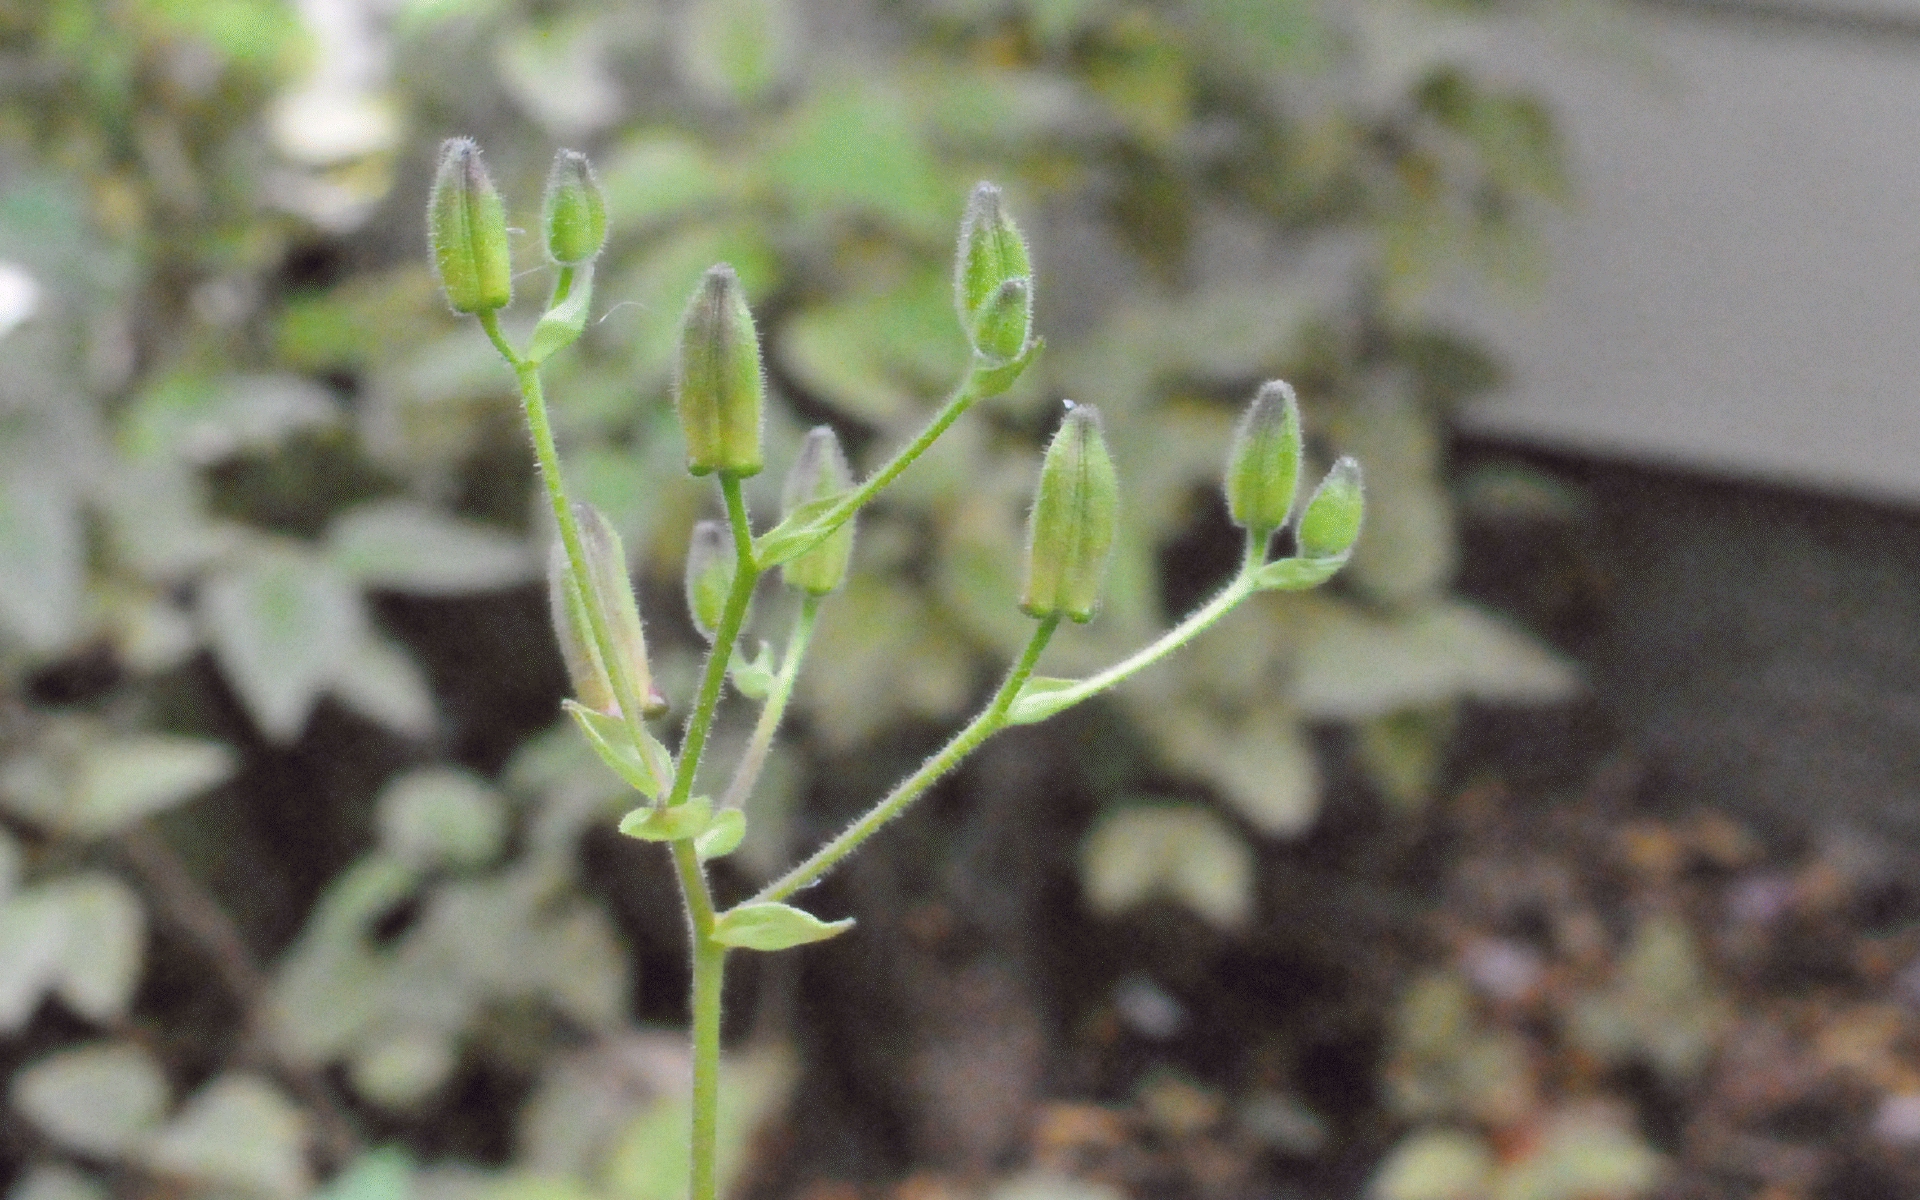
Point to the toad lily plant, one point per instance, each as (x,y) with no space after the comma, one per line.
(719,390)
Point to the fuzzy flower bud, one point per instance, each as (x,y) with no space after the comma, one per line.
(991,253)
(718,385)
(467,230)
(1073,522)
(710,568)
(610,589)
(819,473)
(574,214)
(1263,463)
(1331,521)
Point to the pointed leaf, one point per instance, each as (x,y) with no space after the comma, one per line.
(647,767)
(562,324)
(1298,574)
(796,535)
(1041,697)
(722,836)
(118,782)
(767,926)
(97,1099)
(669,824)
(280,623)
(405,546)
(382,683)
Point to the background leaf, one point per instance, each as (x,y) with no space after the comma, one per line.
(100,1098)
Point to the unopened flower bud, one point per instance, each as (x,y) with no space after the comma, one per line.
(820,473)
(710,567)
(574,214)
(718,384)
(571,628)
(467,229)
(1331,521)
(610,589)
(1263,463)
(991,253)
(1003,324)
(1074,518)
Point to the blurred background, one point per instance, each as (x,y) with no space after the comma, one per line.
(1562,850)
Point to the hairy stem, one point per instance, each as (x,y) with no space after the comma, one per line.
(747,773)
(709,971)
(700,724)
(983,726)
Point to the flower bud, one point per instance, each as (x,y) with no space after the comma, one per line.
(467,230)
(1074,518)
(1331,521)
(718,385)
(991,253)
(710,567)
(610,589)
(1263,463)
(1001,328)
(574,214)
(820,473)
(571,629)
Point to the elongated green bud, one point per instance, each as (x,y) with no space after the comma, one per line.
(710,567)
(574,214)
(571,629)
(1074,518)
(820,473)
(1331,522)
(1263,463)
(610,589)
(991,253)
(718,384)
(1004,323)
(467,230)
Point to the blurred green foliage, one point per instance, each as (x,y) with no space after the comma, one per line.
(234,414)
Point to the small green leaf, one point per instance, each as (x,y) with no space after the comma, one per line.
(752,677)
(562,324)
(1182,852)
(992,377)
(646,767)
(1298,574)
(440,817)
(768,926)
(722,837)
(280,621)
(800,532)
(673,824)
(1041,697)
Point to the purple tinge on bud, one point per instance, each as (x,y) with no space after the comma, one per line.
(574,214)
(1331,522)
(711,564)
(1263,463)
(991,253)
(609,588)
(718,383)
(1075,516)
(467,231)
(819,473)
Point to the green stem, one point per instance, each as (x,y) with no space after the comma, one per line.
(989,721)
(721,652)
(963,398)
(709,970)
(1196,623)
(534,405)
(748,772)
